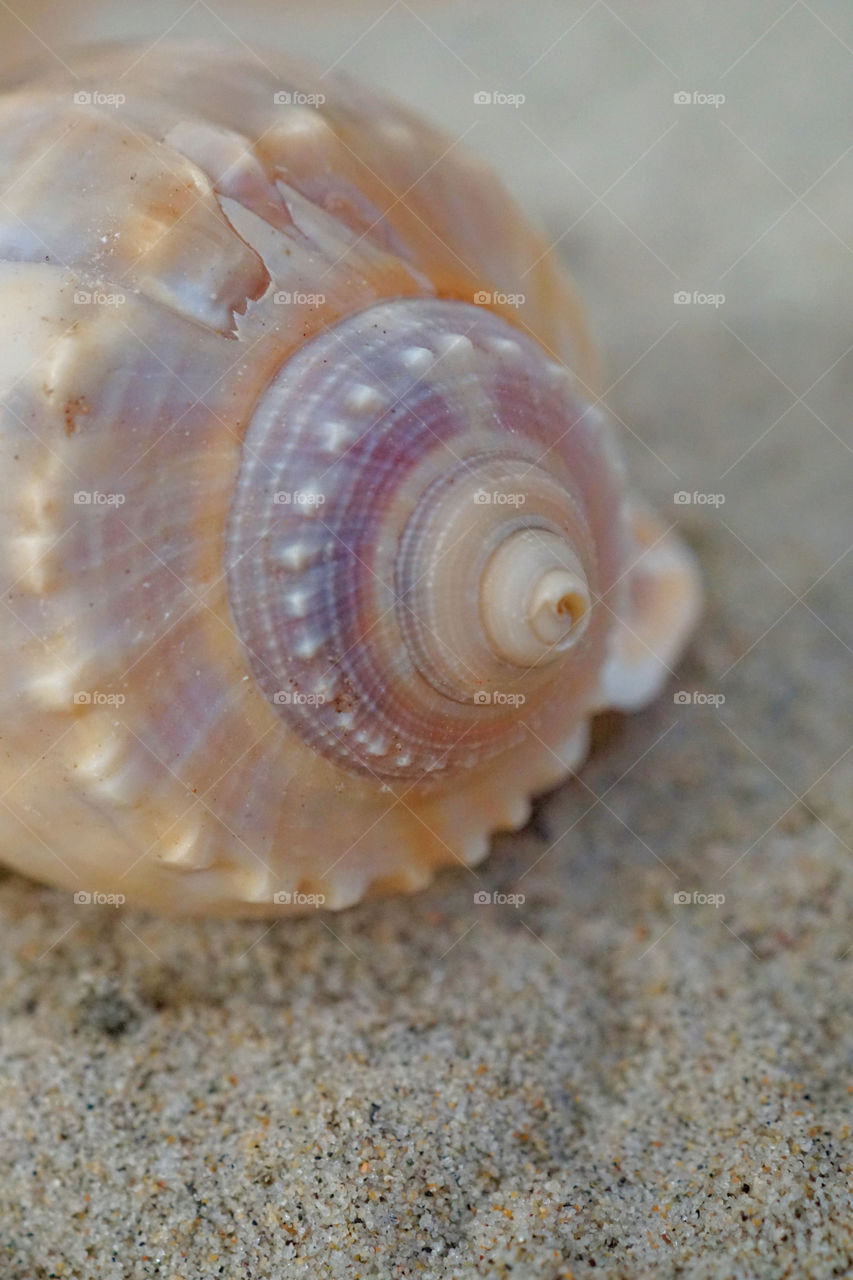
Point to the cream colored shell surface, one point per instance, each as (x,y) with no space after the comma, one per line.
(146,247)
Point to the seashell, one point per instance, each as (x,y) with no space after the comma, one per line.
(318,550)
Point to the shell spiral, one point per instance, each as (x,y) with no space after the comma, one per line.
(319,553)
(416,441)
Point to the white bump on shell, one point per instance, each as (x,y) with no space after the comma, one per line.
(55,689)
(454,344)
(364,399)
(311,504)
(298,602)
(295,556)
(418,359)
(504,346)
(182,849)
(100,761)
(28,559)
(309,646)
(557,373)
(337,437)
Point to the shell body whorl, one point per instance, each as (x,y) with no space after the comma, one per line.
(315,566)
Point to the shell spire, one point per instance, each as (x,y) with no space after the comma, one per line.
(422,578)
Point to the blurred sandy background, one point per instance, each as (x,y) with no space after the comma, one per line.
(603,1079)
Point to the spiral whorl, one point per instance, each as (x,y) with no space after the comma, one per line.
(412,546)
(534,598)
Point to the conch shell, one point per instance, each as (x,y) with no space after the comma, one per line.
(318,551)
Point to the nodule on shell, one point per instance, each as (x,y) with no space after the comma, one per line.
(318,559)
